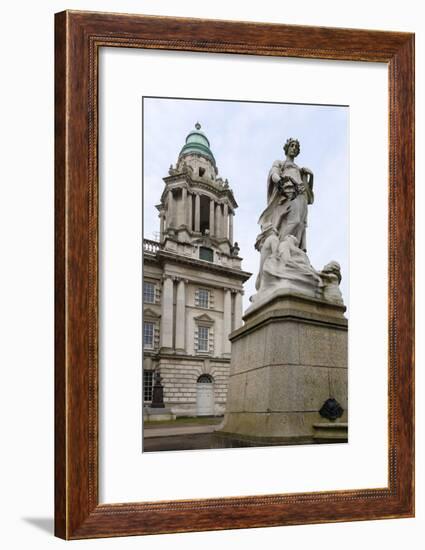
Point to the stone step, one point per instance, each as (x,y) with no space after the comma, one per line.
(330,431)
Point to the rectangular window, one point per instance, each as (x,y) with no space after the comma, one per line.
(203,298)
(148,293)
(147,385)
(206,254)
(203,339)
(148,332)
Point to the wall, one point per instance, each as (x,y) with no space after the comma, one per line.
(26,219)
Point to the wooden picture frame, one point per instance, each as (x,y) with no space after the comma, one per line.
(78,38)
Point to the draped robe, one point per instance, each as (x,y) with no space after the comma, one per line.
(288,217)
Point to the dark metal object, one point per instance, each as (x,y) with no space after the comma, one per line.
(157,392)
(331,409)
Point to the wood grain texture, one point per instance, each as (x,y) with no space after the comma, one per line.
(79,35)
(60,270)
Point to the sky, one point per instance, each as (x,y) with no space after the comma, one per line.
(246,138)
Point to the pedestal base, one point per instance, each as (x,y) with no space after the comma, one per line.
(329,432)
(287,360)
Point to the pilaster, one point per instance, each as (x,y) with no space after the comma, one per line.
(238,309)
(212,216)
(167,313)
(227,322)
(225,224)
(197,212)
(181,316)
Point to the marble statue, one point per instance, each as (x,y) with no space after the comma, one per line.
(289,191)
(284,263)
(331,277)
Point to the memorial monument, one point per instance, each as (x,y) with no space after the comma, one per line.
(288,373)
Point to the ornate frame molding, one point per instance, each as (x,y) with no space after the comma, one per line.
(78,37)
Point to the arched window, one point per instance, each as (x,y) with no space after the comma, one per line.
(205,379)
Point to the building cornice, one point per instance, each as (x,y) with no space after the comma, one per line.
(194,184)
(157,355)
(150,257)
(202,265)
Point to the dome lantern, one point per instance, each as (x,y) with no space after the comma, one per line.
(197,143)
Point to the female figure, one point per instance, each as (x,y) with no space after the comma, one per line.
(288,215)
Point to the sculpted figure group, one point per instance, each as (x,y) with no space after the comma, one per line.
(282,241)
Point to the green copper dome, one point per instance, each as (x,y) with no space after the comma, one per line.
(197,143)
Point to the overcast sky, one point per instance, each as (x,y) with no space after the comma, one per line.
(246,138)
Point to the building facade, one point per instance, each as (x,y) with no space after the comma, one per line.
(192,285)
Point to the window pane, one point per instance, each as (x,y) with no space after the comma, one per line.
(203,333)
(149,293)
(204,297)
(147,385)
(206,254)
(148,335)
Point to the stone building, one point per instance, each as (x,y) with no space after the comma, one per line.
(192,286)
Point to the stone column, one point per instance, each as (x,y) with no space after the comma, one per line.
(218,220)
(167,313)
(212,209)
(183,211)
(181,316)
(225,229)
(197,212)
(161,226)
(227,321)
(238,309)
(231,227)
(170,217)
(189,212)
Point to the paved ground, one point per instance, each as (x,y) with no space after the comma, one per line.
(183,442)
(182,437)
(175,436)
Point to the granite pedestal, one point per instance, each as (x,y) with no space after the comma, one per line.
(287,360)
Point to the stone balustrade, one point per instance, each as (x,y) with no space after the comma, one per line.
(151,246)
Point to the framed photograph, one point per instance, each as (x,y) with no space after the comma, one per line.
(207,222)
(234,327)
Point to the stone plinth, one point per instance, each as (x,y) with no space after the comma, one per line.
(287,360)
(327,432)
